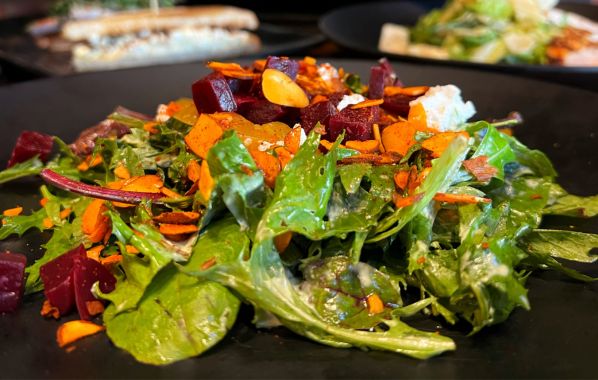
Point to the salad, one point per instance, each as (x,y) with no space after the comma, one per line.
(336,209)
(501,31)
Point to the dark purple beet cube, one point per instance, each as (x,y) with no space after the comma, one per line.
(12,279)
(244,102)
(357,124)
(57,276)
(87,272)
(381,76)
(398,104)
(288,66)
(314,113)
(213,94)
(30,144)
(262,111)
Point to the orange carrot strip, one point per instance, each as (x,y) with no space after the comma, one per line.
(208,263)
(65,213)
(282,241)
(367,146)
(169,193)
(259,64)
(411,91)
(204,134)
(95,224)
(387,158)
(43,201)
(318,98)
(378,137)
(94,307)
(438,143)
(206,182)
(47,223)
(111,260)
(367,103)
(460,198)
(401,178)
(375,305)
(131,250)
(72,331)
(400,201)
(398,137)
(13,211)
(49,311)
(122,172)
(292,141)
(94,252)
(177,229)
(480,168)
(150,127)
(172,108)
(178,217)
(193,170)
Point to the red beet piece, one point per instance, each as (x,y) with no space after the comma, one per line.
(213,94)
(12,279)
(398,104)
(57,276)
(30,144)
(288,66)
(314,113)
(381,76)
(357,124)
(86,272)
(262,111)
(244,102)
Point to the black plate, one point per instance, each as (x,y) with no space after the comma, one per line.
(357,27)
(20,49)
(557,338)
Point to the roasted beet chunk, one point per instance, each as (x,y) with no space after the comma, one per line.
(30,144)
(213,94)
(87,139)
(398,104)
(314,113)
(87,272)
(57,276)
(262,111)
(12,278)
(381,76)
(288,66)
(357,124)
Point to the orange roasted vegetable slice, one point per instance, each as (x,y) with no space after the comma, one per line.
(438,143)
(204,134)
(72,331)
(398,137)
(95,223)
(178,217)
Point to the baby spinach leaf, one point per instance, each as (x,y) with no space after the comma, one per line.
(178,317)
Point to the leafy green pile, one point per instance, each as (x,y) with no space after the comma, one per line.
(350,245)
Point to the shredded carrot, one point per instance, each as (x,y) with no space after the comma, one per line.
(47,223)
(398,137)
(367,146)
(90,162)
(94,307)
(400,201)
(485,245)
(169,193)
(177,229)
(72,331)
(259,64)
(43,201)
(377,137)
(131,250)
(49,311)
(95,224)
(268,164)
(318,98)
(193,170)
(237,74)
(367,103)
(111,260)
(506,131)
(122,172)
(208,263)
(401,178)
(94,252)
(178,217)
(283,155)
(65,213)
(375,304)
(387,158)
(292,141)
(480,168)
(420,260)
(150,127)
(410,91)
(172,108)
(204,134)
(206,182)
(328,145)
(460,198)
(282,241)
(418,178)
(13,211)
(438,143)
(536,196)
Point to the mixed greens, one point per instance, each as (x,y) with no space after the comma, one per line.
(328,238)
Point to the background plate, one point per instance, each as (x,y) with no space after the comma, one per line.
(357,27)
(557,338)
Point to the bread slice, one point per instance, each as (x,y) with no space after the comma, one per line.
(180,45)
(220,16)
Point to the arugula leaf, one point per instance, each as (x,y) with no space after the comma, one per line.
(178,317)
(532,159)
(495,146)
(563,203)
(570,245)
(32,166)
(22,223)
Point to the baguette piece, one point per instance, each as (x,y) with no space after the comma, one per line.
(146,20)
